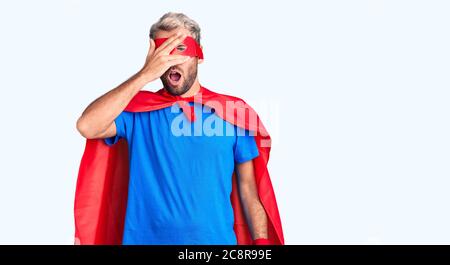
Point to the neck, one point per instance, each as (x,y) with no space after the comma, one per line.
(193,90)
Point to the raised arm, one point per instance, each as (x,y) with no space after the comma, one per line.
(97,120)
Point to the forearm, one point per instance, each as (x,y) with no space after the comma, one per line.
(100,114)
(255,213)
(253,209)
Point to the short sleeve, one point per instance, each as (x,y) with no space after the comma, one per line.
(124,125)
(245,148)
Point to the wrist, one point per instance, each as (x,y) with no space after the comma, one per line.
(144,78)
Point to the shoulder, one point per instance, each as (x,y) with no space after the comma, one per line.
(225,101)
(221,96)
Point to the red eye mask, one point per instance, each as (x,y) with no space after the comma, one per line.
(188,47)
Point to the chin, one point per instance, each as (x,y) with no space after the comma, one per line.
(176,91)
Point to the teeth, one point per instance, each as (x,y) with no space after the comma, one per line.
(171,73)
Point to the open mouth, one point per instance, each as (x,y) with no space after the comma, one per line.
(174,77)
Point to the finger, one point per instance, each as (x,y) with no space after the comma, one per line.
(169,40)
(176,57)
(174,43)
(176,61)
(151,49)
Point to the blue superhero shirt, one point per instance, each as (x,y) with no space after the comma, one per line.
(181,175)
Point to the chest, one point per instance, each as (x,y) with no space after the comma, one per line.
(169,130)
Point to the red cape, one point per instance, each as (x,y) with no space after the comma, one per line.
(102,185)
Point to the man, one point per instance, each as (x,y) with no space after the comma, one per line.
(180,179)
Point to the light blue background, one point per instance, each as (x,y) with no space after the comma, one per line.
(358,95)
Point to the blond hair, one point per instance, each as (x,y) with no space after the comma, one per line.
(171,20)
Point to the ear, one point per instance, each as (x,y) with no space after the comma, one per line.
(200,60)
